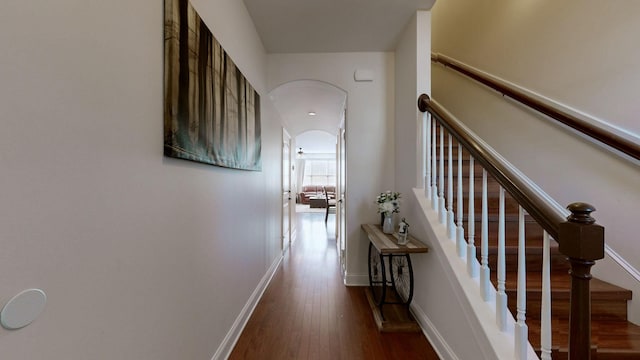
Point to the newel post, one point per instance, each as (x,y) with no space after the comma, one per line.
(582,241)
(423,102)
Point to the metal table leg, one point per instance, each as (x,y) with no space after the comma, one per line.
(400,277)
(377,276)
(401,272)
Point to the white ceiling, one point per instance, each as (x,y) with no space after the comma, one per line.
(305,26)
(316,142)
(294,100)
(314,26)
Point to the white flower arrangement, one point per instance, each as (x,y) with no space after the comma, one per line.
(388,202)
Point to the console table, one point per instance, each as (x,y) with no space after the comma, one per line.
(391,279)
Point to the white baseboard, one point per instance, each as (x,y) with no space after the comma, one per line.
(225,348)
(356,279)
(436,340)
(490,342)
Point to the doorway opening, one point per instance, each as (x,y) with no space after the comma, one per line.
(314,116)
(316,174)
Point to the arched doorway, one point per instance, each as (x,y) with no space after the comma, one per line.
(313,107)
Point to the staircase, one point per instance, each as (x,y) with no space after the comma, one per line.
(613,337)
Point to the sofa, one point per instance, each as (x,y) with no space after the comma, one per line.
(331,191)
(309,191)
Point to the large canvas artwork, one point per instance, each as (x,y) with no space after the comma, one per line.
(212,113)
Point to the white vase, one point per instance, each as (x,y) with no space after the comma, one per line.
(387,223)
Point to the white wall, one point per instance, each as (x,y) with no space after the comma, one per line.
(142,257)
(580,53)
(413,77)
(438,303)
(369,133)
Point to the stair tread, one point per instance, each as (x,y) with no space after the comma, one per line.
(609,336)
(561,286)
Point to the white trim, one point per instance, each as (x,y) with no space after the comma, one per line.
(229,342)
(481,315)
(356,279)
(622,262)
(436,340)
(294,236)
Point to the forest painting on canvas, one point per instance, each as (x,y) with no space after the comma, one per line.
(211,112)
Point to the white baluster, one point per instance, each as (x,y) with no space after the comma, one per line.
(501,297)
(521,331)
(442,211)
(451,226)
(545,328)
(472,264)
(462,248)
(486,289)
(427,177)
(434,169)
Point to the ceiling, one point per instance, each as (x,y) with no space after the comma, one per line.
(316,142)
(294,100)
(305,26)
(316,26)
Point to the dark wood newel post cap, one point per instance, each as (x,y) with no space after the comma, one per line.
(423,102)
(580,237)
(581,213)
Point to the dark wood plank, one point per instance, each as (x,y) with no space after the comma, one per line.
(308,313)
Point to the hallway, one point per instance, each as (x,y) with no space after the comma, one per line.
(307,312)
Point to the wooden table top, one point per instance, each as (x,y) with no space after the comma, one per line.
(388,244)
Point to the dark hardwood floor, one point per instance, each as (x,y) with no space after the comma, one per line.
(308,313)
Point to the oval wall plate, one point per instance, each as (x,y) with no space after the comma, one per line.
(22,309)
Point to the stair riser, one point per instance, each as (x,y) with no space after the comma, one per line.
(533,262)
(493,203)
(600,309)
(466,166)
(532,233)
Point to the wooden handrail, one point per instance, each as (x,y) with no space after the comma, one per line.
(530,198)
(601,134)
(578,236)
